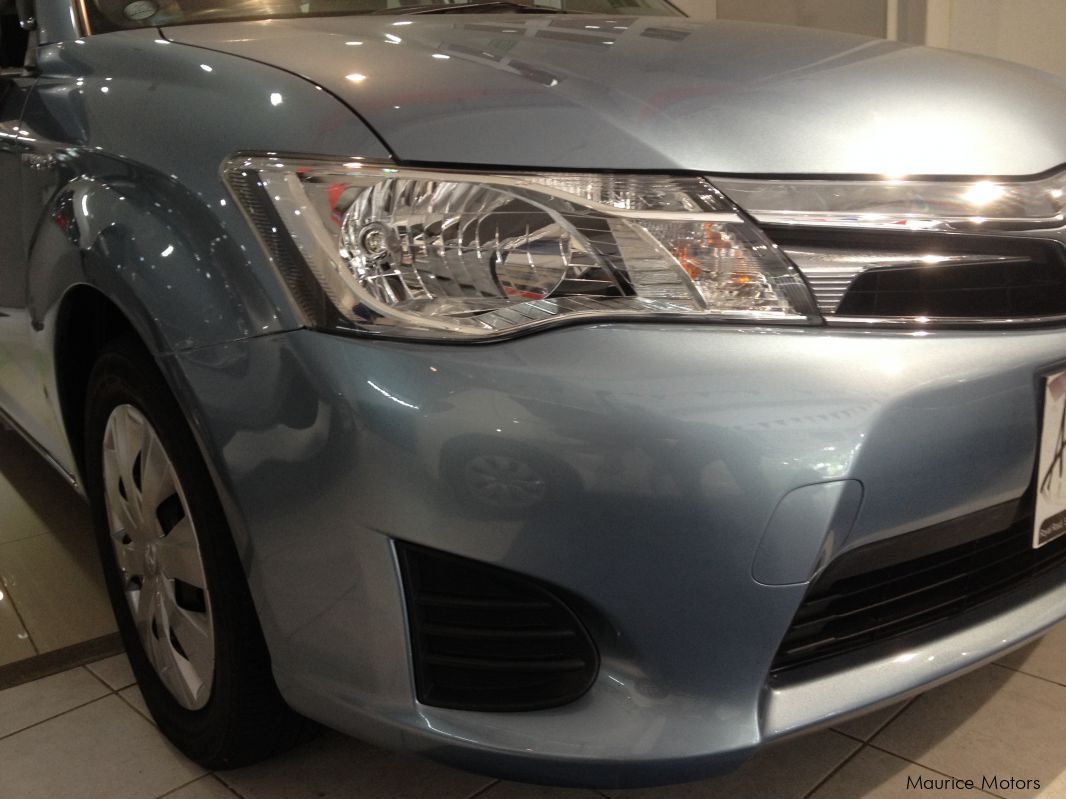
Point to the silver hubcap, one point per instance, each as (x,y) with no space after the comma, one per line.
(505,482)
(158,554)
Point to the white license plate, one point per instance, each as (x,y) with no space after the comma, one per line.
(1050,520)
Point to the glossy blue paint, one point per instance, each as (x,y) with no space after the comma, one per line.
(685,458)
(142,218)
(662,93)
(668,447)
(808,528)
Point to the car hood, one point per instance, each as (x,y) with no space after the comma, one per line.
(660,93)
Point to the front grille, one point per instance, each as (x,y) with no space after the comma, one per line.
(993,290)
(896,588)
(483,638)
(922,277)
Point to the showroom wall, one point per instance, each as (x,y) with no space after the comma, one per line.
(854,16)
(1026,31)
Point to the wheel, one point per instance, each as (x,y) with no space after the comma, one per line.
(176,584)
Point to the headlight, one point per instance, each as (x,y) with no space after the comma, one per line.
(442,254)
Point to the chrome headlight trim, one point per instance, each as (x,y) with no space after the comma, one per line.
(905,202)
(459,255)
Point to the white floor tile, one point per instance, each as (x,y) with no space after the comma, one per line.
(15,642)
(789,770)
(36,701)
(57,586)
(336,767)
(27,489)
(877,775)
(1045,658)
(515,790)
(208,787)
(104,750)
(991,723)
(115,671)
(132,696)
(865,727)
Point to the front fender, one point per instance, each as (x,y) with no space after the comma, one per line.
(154,250)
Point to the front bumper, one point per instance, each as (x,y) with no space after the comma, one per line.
(669,452)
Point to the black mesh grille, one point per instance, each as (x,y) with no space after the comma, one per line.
(486,639)
(1003,290)
(898,587)
(982,277)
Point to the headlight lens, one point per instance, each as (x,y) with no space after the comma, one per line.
(441,254)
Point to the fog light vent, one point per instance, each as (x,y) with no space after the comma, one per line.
(487,639)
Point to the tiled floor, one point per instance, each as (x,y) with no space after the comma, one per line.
(51,589)
(85,733)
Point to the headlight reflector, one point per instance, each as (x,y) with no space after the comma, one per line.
(442,254)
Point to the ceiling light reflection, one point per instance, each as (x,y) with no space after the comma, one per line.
(984,193)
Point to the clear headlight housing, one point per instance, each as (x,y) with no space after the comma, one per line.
(468,256)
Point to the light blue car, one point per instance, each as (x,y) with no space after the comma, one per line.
(566,390)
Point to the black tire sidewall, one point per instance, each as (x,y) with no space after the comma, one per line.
(125,374)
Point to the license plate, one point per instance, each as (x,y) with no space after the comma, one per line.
(1050,520)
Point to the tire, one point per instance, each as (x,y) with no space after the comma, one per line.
(177,587)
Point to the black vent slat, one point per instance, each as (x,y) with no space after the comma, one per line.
(883,604)
(899,588)
(487,603)
(485,664)
(847,610)
(458,631)
(865,590)
(877,631)
(998,573)
(483,638)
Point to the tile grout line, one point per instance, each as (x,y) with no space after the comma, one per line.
(225,785)
(173,791)
(930,768)
(847,735)
(1028,674)
(147,717)
(99,679)
(57,715)
(881,728)
(835,770)
(863,744)
(25,537)
(484,789)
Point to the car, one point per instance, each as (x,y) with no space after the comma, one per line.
(566,390)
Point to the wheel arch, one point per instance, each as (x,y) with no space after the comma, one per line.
(85,322)
(130,252)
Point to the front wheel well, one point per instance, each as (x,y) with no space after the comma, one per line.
(87,322)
